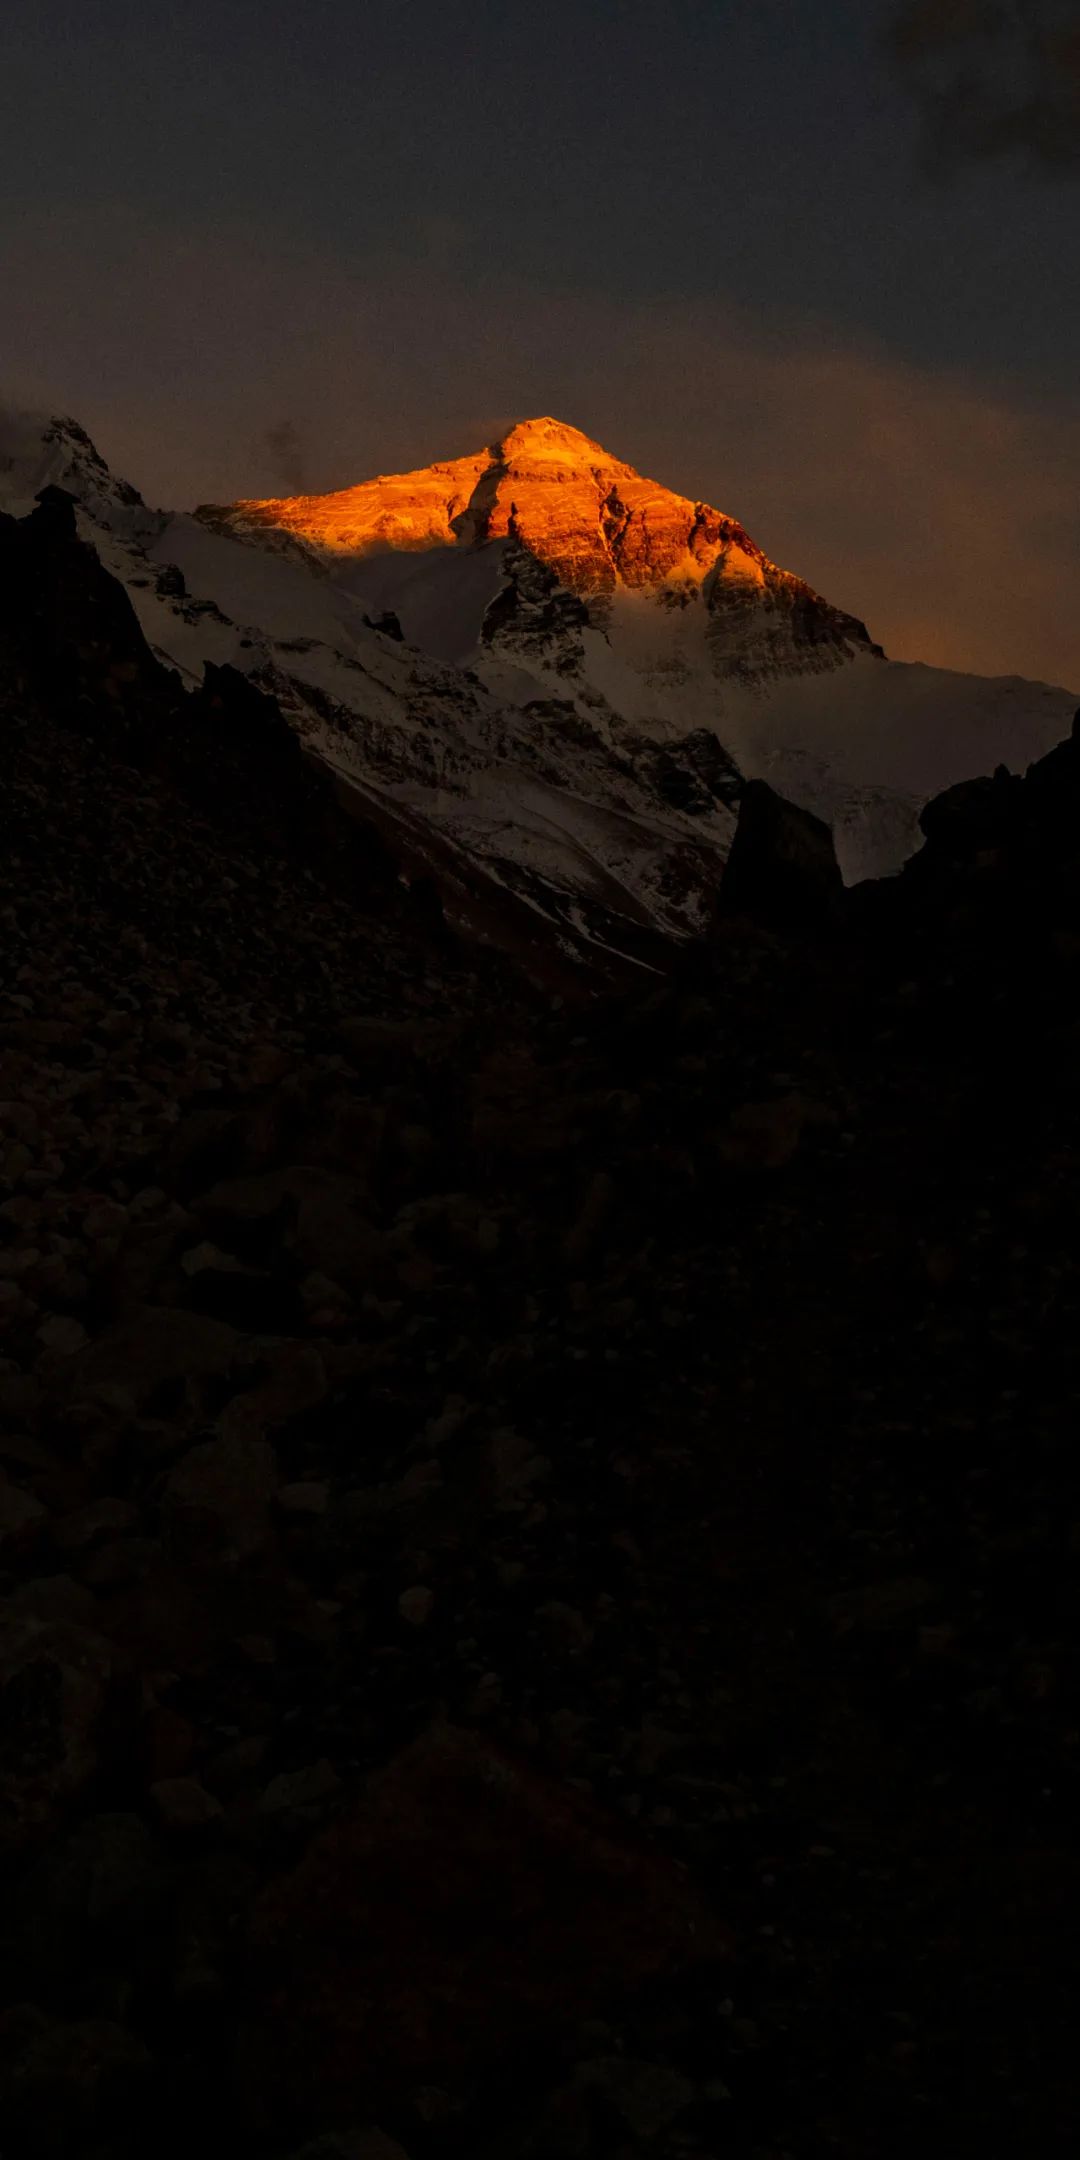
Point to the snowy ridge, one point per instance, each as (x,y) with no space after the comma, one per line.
(467,782)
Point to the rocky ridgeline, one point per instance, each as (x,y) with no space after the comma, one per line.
(539,1545)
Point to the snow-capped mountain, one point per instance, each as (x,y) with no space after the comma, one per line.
(544,677)
(549,567)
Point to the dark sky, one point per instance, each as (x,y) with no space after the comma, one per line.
(254,244)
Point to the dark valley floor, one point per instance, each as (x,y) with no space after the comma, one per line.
(539,1537)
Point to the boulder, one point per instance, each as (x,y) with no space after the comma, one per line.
(161,1346)
(65,2085)
(184,1808)
(216,1504)
(54,1686)
(293,1381)
(317,1214)
(467,1903)
(22,1518)
(352,2145)
(104,1895)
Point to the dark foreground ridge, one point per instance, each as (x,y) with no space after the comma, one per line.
(539,1545)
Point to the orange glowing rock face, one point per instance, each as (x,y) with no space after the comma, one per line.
(592,519)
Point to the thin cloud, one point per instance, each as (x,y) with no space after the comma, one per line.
(284,447)
(993,79)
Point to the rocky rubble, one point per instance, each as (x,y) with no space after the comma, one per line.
(538,1542)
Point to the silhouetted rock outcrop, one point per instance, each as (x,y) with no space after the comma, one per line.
(68,631)
(782,870)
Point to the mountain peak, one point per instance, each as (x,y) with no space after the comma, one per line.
(40,449)
(598,524)
(591,518)
(554,441)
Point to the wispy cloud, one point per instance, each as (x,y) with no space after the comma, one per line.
(284,447)
(993,79)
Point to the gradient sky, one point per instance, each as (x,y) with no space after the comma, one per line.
(254,245)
